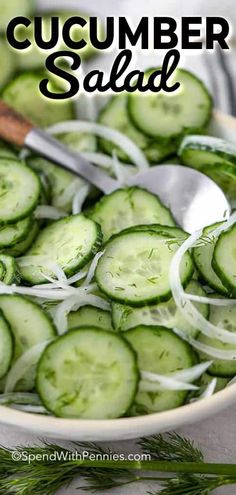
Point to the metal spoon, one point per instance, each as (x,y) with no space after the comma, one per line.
(194,199)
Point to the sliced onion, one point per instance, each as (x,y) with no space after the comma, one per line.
(30,409)
(99,159)
(208,391)
(152,382)
(191,374)
(78,276)
(210,300)
(187,309)
(231,382)
(69,193)
(118,169)
(126,144)
(92,268)
(229,355)
(75,302)
(23,364)
(80,198)
(50,212)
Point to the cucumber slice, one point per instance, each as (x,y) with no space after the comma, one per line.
(162,230)
(203,256)
(19,190)
(8,62)
(222,317)
(2,271)
(14,233)
(6,346)
(88,315)
(12,272)
(23,94)
(12,9)
(127,207)
(170,115)
(70,242)
(213,157)
(224,259)
(206,379)
(164,314)
(159,351)
(23,246)
(196,151)
(88,373)
(78,141)
(135,266)
(30,325)
(34,57)
(115,115)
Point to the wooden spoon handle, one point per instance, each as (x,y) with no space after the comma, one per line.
(13,126)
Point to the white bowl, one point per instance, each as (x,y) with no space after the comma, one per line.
(127,428)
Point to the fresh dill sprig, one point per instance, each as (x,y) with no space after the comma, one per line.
(171,447)
(171,453)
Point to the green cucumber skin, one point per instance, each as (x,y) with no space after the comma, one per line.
(146,302)
(11,343)
(227,156)
(19,239)
(81,329)
(216,266)
(178,135)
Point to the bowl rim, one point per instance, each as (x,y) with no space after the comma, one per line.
(126,427)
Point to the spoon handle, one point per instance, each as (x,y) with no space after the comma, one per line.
(17,130)
(13,126)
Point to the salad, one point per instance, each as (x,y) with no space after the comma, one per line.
(107,307)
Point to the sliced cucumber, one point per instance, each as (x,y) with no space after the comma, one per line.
(78,141)
(213,157)
(115,115)
(8,62)
(70,242)
(2,271)
(163,314)
(173,114)
(6,346)
(14,233)
(135,266)
(88,373)
(88,315)
(19,190)
(222,317)
(196,151)
(203,260)
(22,246)
(224,259)
(162,230)
(30,325)
(159,351)
(23,94)
(127,207)
(12,9)
(12,272)
(6,150)
(206,379)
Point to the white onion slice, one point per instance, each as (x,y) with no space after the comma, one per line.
(23,364)
(79,199)
(118,169)
(126,144)
(210,300)
(78,276)
(187,309)
(231,382)
(229,355)
(152,382)
(99,159)
(30,409)
(49,212)
(68,194)
(191,374)
(92,268)
(209,390)
(75,302)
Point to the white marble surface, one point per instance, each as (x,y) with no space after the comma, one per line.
(217,435)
